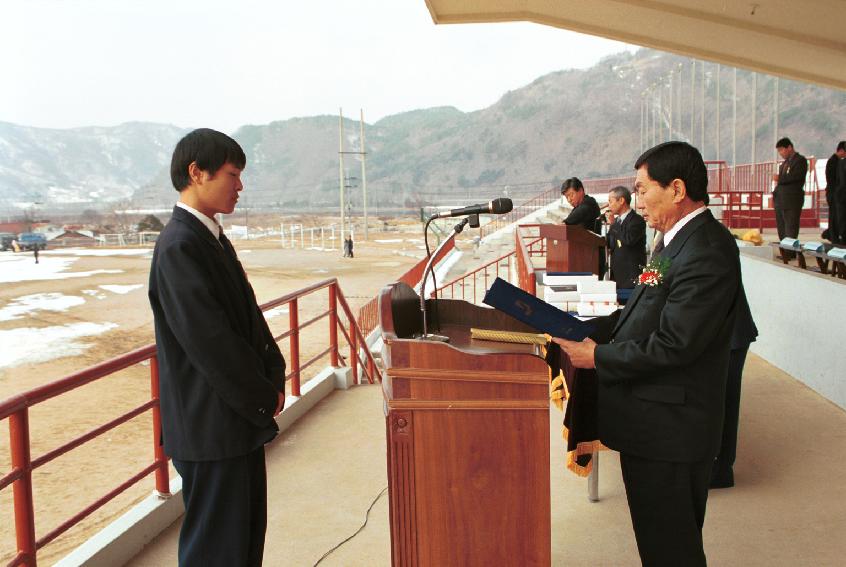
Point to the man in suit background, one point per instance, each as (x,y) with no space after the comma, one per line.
(789,194)
(626,238)
(833,231)
(585,211)
(662,372)
(222,376)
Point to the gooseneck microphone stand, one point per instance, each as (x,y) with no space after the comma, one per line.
(473,220)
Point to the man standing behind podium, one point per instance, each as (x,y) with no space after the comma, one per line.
(626,238)
(585,211)
(662,374)
(222,376)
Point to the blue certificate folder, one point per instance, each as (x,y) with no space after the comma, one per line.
(535,312)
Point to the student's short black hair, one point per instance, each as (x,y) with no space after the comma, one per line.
(784,143)
(677,160)
(842,145)
(210,149)
(572,183)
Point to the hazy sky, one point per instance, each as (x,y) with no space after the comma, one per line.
(224,64)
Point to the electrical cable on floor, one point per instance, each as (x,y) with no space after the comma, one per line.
(358,531)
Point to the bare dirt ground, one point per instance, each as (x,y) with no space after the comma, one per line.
(74,480)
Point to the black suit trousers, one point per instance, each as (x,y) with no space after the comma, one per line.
(225,511)
(667,504)
(728,447)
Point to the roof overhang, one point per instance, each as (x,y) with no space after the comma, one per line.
(803,40)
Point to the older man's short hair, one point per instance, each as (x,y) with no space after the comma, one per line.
(784,143)
(677,160)
(620,192)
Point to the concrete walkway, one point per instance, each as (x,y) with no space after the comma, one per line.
(788,507)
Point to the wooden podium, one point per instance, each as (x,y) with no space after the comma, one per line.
(571,248)
(468,438)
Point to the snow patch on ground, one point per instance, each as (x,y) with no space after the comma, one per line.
(121,289)
(94,293)
(276,311)
(18,268)
(20,306)
(100,252)
(32,344)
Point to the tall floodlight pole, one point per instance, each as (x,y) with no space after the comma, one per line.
(363,172)
(642,103)
(775,115)
(702,111)
(717,137)
(341,165)
(734,121)
(670,137)
(660,110)
(692,97)
(754,115)
(654,117)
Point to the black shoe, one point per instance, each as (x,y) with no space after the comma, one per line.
(722,477)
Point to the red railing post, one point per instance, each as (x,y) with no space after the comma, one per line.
(333,324)
(294,323)
(162,474)
(22,487)
(354,351)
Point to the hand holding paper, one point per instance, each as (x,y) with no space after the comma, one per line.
(581,353)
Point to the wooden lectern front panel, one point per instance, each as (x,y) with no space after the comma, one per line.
(477,472)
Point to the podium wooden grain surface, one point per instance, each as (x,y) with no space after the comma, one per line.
(468,438)
(571,248)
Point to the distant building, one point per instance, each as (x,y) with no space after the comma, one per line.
(68,238)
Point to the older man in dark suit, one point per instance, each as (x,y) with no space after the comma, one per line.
(222,375)
(626,238)
(662,373)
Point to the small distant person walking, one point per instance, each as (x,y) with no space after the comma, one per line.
(789,194)
(348,247)
(35,252)
(222,376)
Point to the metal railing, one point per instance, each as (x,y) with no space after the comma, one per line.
(16,409)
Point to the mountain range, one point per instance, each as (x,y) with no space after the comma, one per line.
(585,123)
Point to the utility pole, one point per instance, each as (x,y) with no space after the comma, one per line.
(718,112)
(775,115)
(363,171)
(341,166)
(702,110)
(754,115)
(692,96)
(734,122)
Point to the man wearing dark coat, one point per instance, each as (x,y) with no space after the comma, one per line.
(626,238)
(789,194)
(585,211)
(835,194)
(222,377)
(661,373)
(833,231)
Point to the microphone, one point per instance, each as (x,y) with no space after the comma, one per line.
(498,206)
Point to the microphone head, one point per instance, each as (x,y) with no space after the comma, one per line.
(501,206)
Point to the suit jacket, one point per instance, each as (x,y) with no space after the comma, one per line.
(220,370)
(789,193)
(662,376)
(830,177)
(745,331)
(627,243)
(586,214)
